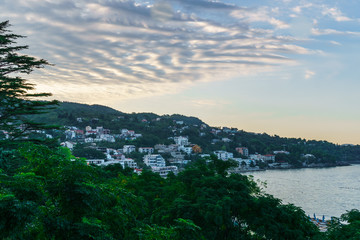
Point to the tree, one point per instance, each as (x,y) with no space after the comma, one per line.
(197,149)
(80,150)
(347,227)
(223,206)
(17,102)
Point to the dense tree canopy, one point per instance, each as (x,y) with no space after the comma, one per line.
(345,227)
(52,196)
(89,153)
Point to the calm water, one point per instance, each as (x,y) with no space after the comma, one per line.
(324,191)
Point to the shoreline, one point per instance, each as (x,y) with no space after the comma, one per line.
(319,166)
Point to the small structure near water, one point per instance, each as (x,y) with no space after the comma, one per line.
(322,224)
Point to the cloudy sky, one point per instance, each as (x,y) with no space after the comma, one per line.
(282,67)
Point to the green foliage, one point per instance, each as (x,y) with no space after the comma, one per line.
(347,227)
(9,161)
(223,207)
(81,150)
(15,215)
(56,197)
(183,229)
(52,196)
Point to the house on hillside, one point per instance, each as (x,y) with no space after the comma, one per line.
(223,155)
(243,151)
(164,171)
(70,145)
(127,149)
(181,141)
(147,150)
(154,160)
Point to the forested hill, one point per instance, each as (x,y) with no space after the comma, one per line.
(158,129)
(68,112)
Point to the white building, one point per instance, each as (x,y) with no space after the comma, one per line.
(243,162)
(178,155)
(281,152)
(95,161)
(226,140)
(187,150)
(110,162)
(269,157)
(179,161)
(181,141)
(148,150)
(49,136)
(127,149)
(223,155)
(160,146)
(264,158)
(256,157)
(89,140)
(124,131)
(154,160)
(164,171)
(107,138)
(128,162)
(166,149)
(108,156)
(68,144)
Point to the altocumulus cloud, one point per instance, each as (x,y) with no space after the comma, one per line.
(124,49)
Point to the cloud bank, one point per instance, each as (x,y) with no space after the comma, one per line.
(128,49)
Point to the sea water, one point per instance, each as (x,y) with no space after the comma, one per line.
(323,191)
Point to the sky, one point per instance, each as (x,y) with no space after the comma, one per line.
(283,67)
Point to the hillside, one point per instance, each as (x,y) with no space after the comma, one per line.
(157,129)
(68,112)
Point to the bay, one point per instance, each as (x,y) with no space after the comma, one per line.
(323,191)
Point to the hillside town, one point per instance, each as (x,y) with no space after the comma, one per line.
(178,154)
(167,144)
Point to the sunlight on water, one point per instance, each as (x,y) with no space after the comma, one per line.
(324,191)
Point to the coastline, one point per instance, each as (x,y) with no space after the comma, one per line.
(290,167)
